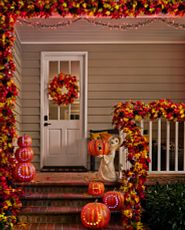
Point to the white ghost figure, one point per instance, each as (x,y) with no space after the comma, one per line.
(106,170)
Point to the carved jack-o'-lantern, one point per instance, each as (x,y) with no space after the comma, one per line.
(24,172)
(24,141)
(96,188)
(24,155)
(98,147)
(95,215)
(114,200)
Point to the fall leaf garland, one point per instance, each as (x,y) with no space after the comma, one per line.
(125,116)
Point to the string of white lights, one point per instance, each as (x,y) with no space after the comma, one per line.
(98,22)
(121,26)
(47,26)
(173,24)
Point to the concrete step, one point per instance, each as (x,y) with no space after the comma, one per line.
(57,215)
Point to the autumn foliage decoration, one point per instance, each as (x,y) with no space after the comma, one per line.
(125,116)
(9,203)
(9,11)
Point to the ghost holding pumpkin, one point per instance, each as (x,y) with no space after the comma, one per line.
(106,170)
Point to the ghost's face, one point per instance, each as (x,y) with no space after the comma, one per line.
(114,142)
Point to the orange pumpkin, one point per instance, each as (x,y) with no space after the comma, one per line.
(98,147)
(96,188)
(24,141)
(95,215)
(114,200)
(24,155)
(24,172)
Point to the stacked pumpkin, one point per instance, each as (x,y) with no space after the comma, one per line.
(24,170)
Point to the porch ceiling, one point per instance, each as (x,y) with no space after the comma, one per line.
(83,31)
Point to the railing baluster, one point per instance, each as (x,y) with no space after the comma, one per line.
(142,126)
(150,145)
(167,146)
(176,145)
(159,146)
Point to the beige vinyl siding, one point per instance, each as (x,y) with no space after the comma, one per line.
(17,54)
(115,73)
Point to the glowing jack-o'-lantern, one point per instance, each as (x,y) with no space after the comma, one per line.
(98,147)
(114,200)
(24,172)
(24,155)
(95,215)
(96,188)
(24,141)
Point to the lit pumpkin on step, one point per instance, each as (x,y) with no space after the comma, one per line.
(24,154)
(98,147)
(114,200)
(96,188)
(24,141)
(24,172)
(95,215)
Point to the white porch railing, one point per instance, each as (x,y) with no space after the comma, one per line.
(166,146)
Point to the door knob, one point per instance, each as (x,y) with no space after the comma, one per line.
(46,124)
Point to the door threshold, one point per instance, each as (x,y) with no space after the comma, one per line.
(64,169)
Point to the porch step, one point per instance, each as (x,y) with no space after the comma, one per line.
(64,227)
(58,199)
(57,215)
(63,187)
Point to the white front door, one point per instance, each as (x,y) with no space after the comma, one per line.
(64,128)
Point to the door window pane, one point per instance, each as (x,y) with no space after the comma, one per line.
(53,69)
(53,111)
(64,67)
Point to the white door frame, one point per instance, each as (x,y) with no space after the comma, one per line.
(46,56)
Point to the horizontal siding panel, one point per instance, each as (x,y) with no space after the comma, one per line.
(140,62)
(100,119)
(100,111)
(136,87)
(31,103)
(31,111)
(31,127)
(31,72)
(136,55)
(135,70)
(31,63)
(36,150)
(31,119)
(136,95)
(31,55)
(31,95)
(31,79)
(36,158)
(136,78)
(34,87)
(99,103)
(124,48)
(33,135)
(98,126)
